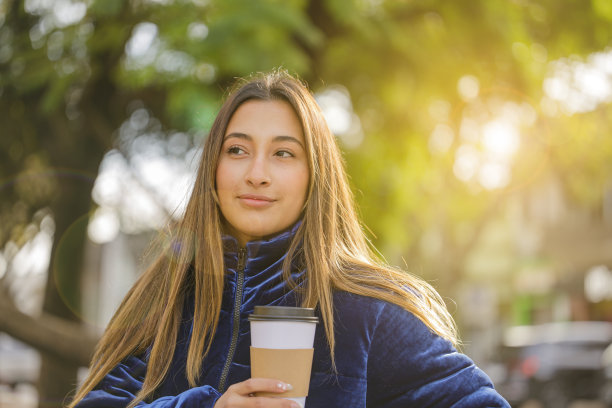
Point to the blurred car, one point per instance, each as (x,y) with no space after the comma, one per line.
(606,395)
(556,363)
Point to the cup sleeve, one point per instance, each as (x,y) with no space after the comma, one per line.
(293,366)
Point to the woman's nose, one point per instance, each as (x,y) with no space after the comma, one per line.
(258,172)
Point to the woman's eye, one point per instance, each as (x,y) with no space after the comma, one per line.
(235,150)
(284,153)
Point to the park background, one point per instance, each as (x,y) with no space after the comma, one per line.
(477,137)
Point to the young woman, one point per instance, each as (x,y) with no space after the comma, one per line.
(271,221)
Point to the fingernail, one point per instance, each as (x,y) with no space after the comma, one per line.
(295,405)
(284,386)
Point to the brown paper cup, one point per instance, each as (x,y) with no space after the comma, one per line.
(281,347)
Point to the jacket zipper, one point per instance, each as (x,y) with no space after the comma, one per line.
(235,320)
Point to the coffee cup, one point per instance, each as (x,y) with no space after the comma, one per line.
(282,340)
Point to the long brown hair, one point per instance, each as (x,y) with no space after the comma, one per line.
(330,241)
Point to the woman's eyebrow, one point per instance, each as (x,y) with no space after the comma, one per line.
(292,139)
(239,136)
(280,138)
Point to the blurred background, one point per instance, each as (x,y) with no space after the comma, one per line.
(477,135)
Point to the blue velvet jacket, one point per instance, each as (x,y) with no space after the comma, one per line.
(385,356)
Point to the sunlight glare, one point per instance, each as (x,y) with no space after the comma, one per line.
(142,40)
(197,31)
(500,139)
(603,61)
(556,88)
(34,256)
(441,139)
(174,62)
(152,169)
(593,82)
(468,87)
(67,12)
(141,211)
(598,284)
(103,226)
(467,161)
(493,175)
(108,189)
(335,103)
(37,6)
(580,86)
(336,106)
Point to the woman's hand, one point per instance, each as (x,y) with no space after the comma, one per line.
(241,395)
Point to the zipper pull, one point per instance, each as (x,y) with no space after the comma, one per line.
(242,252)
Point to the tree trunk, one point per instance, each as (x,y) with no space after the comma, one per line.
(62,294)
(75,148)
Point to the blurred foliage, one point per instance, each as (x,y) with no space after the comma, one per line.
(66,85)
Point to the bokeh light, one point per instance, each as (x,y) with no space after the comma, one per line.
(335,102)
(500,139)
(103,226)
(468,87)
(441,139)
(578,86)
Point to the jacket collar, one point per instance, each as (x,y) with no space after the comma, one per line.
(260,254)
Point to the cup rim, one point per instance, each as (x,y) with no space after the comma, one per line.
(283,313)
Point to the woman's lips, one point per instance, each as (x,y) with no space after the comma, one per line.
(257,201)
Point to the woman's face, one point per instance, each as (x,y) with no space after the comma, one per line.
(262,176)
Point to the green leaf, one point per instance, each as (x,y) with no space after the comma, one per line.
(54,95)
(106,8)
(603,8)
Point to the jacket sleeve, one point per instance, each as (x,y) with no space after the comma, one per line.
(120,386)
(410,366)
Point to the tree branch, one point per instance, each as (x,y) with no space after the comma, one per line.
(60,338)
